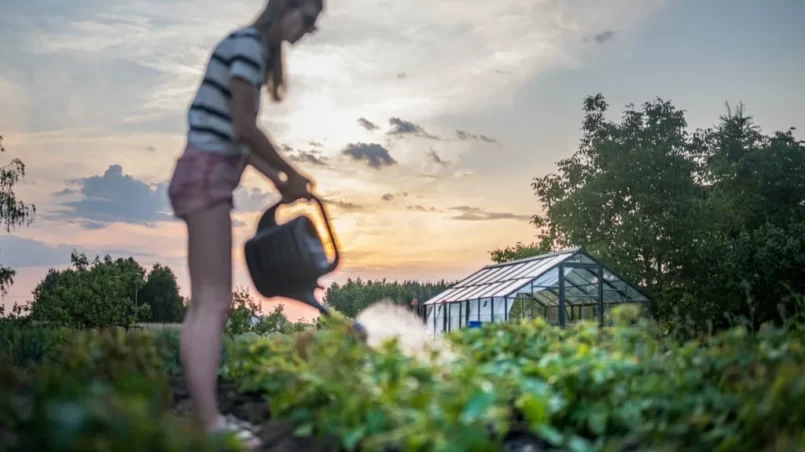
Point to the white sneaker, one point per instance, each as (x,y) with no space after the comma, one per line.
(243,430)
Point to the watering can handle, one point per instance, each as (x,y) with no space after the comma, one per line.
(337,257)
(269,219)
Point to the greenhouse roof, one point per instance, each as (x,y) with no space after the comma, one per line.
(538,277)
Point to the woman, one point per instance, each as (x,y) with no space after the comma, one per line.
(223,137)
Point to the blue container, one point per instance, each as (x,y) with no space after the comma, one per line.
(474,324)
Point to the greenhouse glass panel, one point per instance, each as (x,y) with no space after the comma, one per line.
(471,280)
(585,275)
(442,296)
(549,279)
(548,263)
(486,310)
(580,258)
(474,314)
(513,286)
(526,269)
(455,316)
(499,307)
(471,292)
(548,294)
(492,276)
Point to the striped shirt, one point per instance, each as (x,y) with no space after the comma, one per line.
(241,54)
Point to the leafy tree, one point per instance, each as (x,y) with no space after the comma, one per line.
(243,313)
(629,194)
(703,221)
(13,212)
(246,317)
(519,251)
(275,323)
(91,294)
(751,256)
(161,293)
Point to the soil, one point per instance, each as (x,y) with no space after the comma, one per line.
(276,436)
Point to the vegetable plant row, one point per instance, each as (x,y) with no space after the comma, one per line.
(501,387)
(584,388)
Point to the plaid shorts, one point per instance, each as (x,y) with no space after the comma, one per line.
(204,179)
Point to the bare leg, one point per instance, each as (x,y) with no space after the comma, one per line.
(210,265)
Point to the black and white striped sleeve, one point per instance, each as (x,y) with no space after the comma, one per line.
(247,59)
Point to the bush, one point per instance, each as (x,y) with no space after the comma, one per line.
(115,358)
(102,390)
(582,388)
(96,417)
(24,345)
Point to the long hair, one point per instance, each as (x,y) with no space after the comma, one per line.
(275,67)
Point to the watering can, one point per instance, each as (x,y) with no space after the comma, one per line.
(287,260)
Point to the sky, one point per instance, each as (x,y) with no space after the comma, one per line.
(422,123)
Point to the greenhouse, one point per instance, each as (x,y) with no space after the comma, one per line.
(562,287)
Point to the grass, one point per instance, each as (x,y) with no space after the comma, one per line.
(161,326)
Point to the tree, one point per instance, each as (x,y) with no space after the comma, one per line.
(629,194)
(753,245)
(13,212)
(520,251)
(275,323)
(700,220)
(246,317)
(161,293)
(245,311)
(91,294)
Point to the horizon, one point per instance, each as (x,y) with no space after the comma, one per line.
(423,126)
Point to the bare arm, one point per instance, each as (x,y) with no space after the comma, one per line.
(268,170)
(245,124)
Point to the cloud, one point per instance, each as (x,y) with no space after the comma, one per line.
(165,45)
(114,197)
(421,208)
(375,155)
(463,173)
(313,157)
(65,192)
(368,125)
(435,158)
(19,252)
(315,144)
(467,213)
(402,76)
(602,37)
(391,196)
(253,199)
(401,127)
(343,205)
(464,135)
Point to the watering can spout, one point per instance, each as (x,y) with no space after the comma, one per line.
(309,299)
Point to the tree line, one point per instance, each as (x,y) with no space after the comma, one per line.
(356,294)
(120,292)
(710,222)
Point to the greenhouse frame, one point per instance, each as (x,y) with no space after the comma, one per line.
(563,287)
